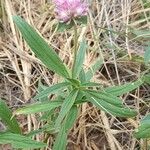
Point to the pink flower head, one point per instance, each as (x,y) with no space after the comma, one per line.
(69,9)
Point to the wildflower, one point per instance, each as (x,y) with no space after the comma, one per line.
(67,10)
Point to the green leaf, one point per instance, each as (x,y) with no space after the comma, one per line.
(74,82)
(81,98)
(122,89)
(70,118)
(66,106)
(105,96)
(82,77)
(6,116)
(109,108)
(144,128)
(90,73)
(147,56)
(61,140)
(79,60)
(51,90)
(64,26)
(146,78)
(39,107)
(91,84)
(35,132)
(47,115)
(41,88)
(42,50)
(19,141)
(82,20)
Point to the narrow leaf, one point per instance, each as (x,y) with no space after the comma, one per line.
(122,89)
(19,141)
(70,118)
(144,128)
(90,73)
(74,82)
(61,140)
(79,60)
(41,88)
(92,84)
(147,56)
(112,109)
(38,107)
(81,98)
(51,90)
(5,115)
(42,50)
(66,106)
(146,78)
(82,76)
(109,98)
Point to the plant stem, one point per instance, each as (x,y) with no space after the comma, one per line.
(75,45)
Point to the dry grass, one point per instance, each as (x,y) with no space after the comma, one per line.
(109,36)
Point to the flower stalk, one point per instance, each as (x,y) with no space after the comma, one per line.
(75,45)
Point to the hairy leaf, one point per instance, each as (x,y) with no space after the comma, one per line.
(39,107)
(42,50)
(122,89)
(51,90)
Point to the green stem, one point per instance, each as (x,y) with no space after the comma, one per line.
(75,45)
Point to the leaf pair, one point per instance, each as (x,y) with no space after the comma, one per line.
(109,104)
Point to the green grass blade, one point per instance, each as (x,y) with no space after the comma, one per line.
(122,89)
(79,60)
(19,141)
(51,90)
(38,107)
(66,106)
(42,50)
(5,115)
